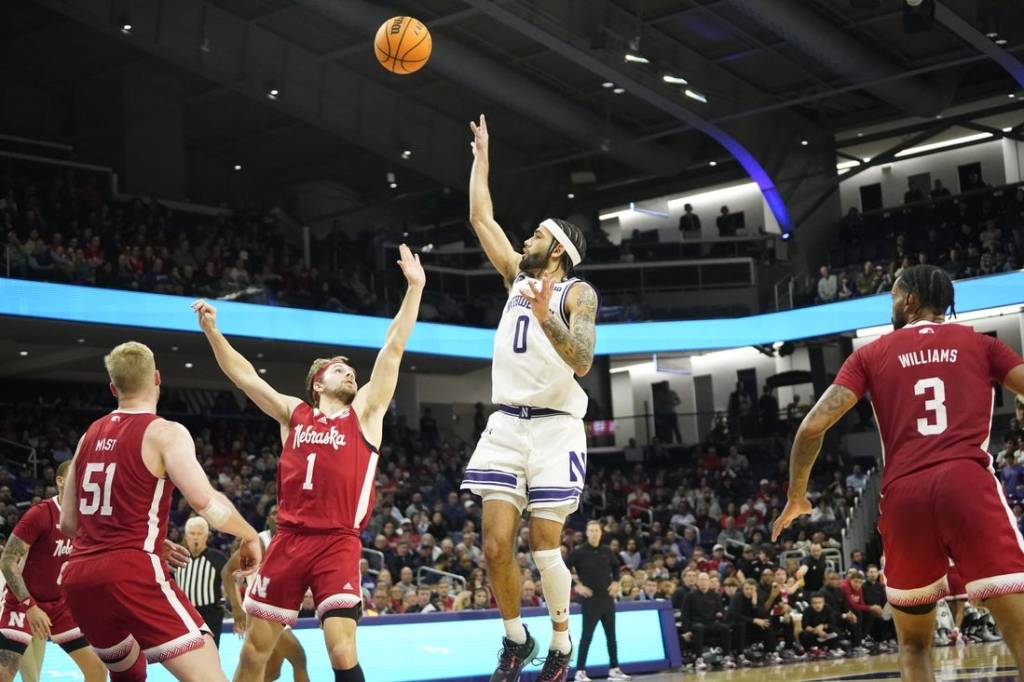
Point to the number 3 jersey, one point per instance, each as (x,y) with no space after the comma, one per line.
(121,505)
(325,479)
(527,370)
(931,389)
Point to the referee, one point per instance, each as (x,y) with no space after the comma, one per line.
(200,579)
(596,567)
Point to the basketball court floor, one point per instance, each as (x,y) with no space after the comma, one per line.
(976,662)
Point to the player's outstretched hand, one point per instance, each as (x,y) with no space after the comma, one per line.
(176,555)
(481,139)
(411,267)
(540,297)
(206,314)
(250,552)
(793,510)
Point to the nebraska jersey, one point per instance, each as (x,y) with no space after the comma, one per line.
(49,550)
(931,390)
(325,479)
(527,370)
(121,505)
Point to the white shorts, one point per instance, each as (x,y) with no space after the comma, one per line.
(536,463)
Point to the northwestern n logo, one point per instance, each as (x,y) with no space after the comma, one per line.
(259,586)
(577,466)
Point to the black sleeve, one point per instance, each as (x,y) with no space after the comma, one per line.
(570,560)
(613,565)
(218,559)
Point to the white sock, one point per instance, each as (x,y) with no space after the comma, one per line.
(560,641)
(556,581)
(514,630)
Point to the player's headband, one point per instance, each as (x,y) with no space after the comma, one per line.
(319,375)
(559,234)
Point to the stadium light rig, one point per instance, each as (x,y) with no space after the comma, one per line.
(675,80)
(693,94)
(636,58)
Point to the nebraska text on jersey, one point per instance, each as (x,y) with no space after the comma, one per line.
(307,435)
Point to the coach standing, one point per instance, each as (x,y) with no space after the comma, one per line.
(595,566)
(200,580)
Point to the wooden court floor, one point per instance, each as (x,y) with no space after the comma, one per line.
(981,662)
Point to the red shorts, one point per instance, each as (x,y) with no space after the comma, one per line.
(957,589)
(14,627)
(956,511)
(327,564)
(126,597)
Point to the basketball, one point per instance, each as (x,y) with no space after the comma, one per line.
(402,45)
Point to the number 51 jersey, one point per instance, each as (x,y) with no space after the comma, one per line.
(931,391)
(527,370)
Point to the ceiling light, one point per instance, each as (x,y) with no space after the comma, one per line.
(406,154)
(570,195)
(677,80)
(637,59)
(126,29)
(259,355)
(412,368)
(693,94)
(619,91)
(273,93)
(712,163)
(393,185)
(1012,95)
(174,348)
(607,84)
(804,143)
(263,370)
(867,159)
(860,134)
(940,145)
(1001,41)
(992,34)
(23,353)
(1008,129)
(188,365)
(785,236)
(633,208)
(81,340)
(846,165)
(238,166)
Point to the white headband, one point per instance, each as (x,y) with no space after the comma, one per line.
(559,234)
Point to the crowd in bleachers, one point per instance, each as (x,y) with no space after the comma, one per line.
(970,235)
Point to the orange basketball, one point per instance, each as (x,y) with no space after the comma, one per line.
(402,45)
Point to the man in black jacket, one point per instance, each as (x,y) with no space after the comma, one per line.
(846,619)
(749,619)
(874,595)
(818,627)
(702,617)
(596,568)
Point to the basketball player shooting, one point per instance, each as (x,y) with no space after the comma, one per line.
(116,504)
(532,455)
(931,387)
(325,487)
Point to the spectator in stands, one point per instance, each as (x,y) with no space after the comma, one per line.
(424,601)
(857,479)
(689,222)
(812,569)
(938,190)
(974,182)
(703,618)
(725,223)
(865,613)
(819,629)
(749,620)
(846,290)
(857,560)
(730,533)
(828,286)
(823,513)
(869,279)
(768,407)
(913,192)
(874,595)
(847,620)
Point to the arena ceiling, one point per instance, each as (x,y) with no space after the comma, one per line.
(536,67)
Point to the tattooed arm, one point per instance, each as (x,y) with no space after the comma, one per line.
(833,404)
(14,552)
(574,344)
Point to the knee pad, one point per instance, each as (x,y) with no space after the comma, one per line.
(556,581)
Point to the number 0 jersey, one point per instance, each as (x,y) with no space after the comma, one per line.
(931,390)
(121,505)
(325,479)
(527,370)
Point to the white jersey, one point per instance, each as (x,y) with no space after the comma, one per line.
(527,370)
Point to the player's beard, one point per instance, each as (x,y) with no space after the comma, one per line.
(343,394)
(532,263)
(899,319)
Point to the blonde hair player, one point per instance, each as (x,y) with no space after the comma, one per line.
(116,503)
(533,454)
(325,487)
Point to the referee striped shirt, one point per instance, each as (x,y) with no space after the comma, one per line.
(200,579)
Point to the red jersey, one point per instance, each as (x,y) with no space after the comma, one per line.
(48,552)
(325,479)
(121,505)
(931,391)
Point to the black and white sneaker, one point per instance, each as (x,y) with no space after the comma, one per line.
(513,657)
(556,667)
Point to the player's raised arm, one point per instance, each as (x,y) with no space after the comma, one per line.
(481,211)
(241,372)
(830,408)
(574,344)
(373,399)
(175,444)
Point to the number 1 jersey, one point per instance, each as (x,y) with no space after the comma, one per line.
(931,389)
